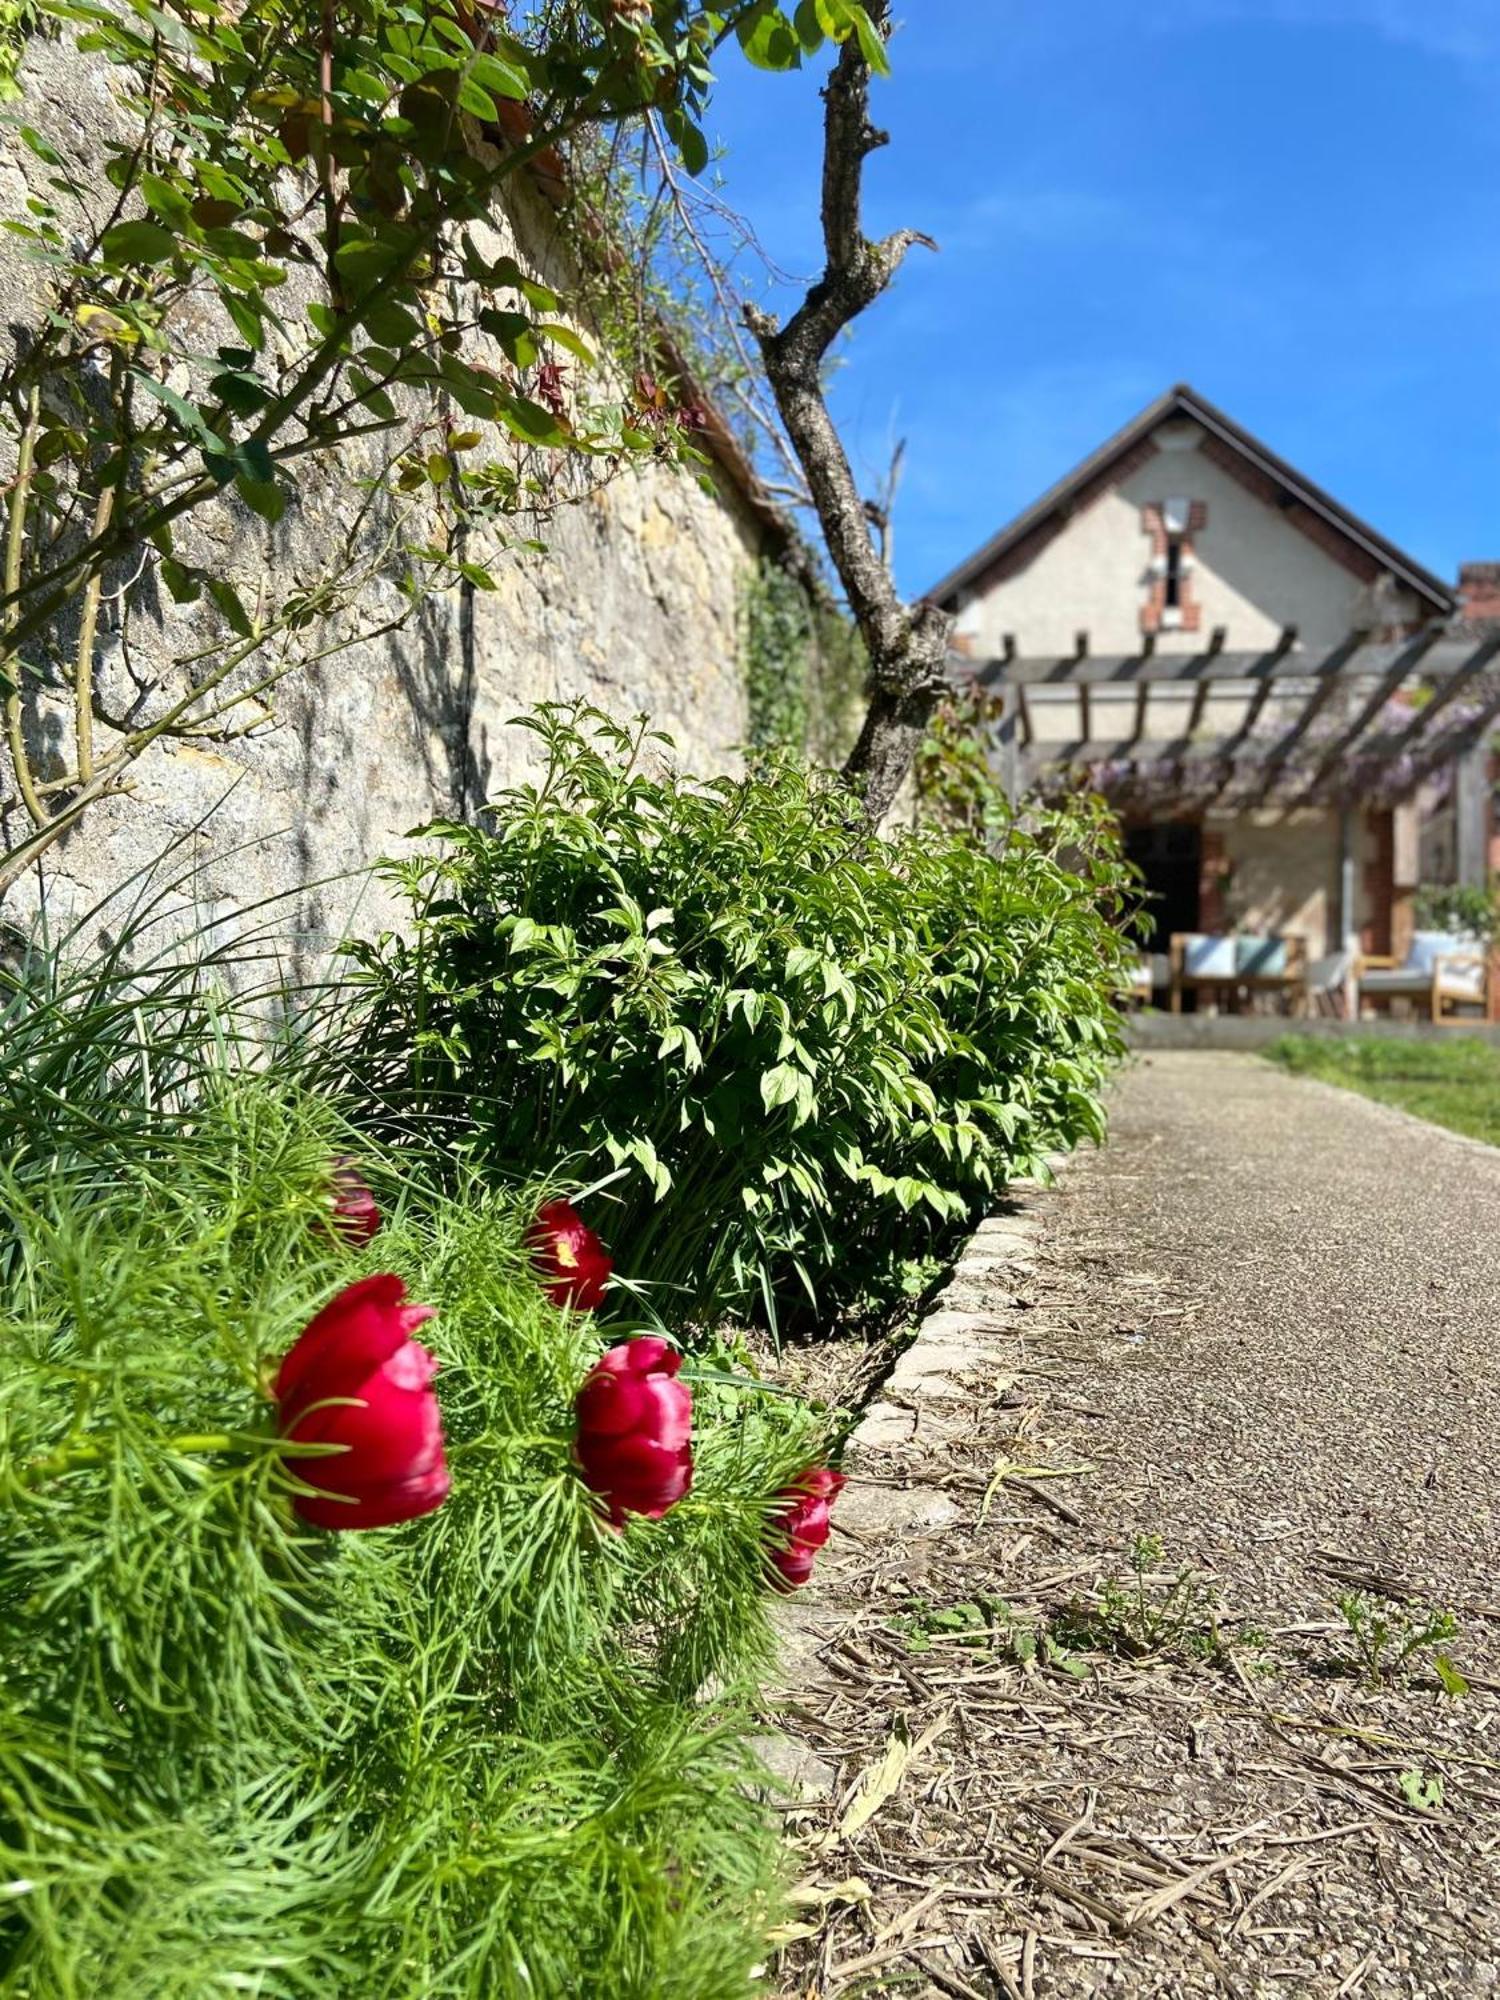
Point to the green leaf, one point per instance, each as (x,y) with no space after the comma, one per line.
(241,393)
(167,201)
(811,32)
(392,325)
(364,260)
(688,139)
(780,1086)
(871,46)
(263,497)
(515,333)
(139,242)
(1453,1682)
(43,148)
(499,78)
(187,414)
(528,420)
(768,39)
(227,598)
(477,102)
(185,586)
(564,336)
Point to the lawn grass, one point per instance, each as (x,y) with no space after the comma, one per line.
(1453,1082)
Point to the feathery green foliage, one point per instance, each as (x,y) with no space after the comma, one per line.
(810,1055)
(461,1757)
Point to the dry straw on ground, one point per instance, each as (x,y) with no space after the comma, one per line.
(1046,1758)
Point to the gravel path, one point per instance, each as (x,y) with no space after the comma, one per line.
(1260,1331)
(1334,1382)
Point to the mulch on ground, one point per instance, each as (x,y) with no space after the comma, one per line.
(1061,1759)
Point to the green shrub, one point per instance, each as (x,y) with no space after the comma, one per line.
(1466,908)
(808,1056)
(464,1757)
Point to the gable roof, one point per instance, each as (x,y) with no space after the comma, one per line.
(1324,516)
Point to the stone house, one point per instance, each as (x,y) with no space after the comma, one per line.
(1278,698)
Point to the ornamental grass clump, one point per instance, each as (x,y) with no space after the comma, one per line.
(798,1058)
(461,1755)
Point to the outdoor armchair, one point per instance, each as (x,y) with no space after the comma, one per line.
(1441,972)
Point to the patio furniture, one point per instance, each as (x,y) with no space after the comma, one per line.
(1441,973)
(1328,983)
(1232,965)
(1152,970)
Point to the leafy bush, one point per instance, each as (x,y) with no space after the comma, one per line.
(1468,909)
(808,1056)
(462,1757)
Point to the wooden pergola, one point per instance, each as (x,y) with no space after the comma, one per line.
(1283,727)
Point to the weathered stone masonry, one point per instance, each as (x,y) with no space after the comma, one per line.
(634,605)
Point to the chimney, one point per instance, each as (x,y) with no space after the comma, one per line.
(1479,593)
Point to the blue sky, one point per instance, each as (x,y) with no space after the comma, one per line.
(1292,204)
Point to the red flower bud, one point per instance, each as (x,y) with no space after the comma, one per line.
(573,1262)
(800,1524)
(355,1216)
(357,1378)
(634,1426)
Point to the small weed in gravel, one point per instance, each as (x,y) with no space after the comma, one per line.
(1389,1639)
(1418,1790)
(992,1623)
(1150,1614)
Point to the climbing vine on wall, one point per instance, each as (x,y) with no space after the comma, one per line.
(295,243)
(804,667)
(777,642)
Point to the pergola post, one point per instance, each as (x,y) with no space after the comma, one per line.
(1406,871)
(1348,932)
(1472,814)
(1007,750)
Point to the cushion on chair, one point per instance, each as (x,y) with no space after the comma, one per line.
(1396,979)
(1424,948)
(1463,979)
(1208,956)
(1260,957)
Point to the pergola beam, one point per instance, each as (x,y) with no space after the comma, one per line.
(1418,652)
(1452,662)
(1327,685)
(1282,650)
(1451,689)
(1103,749)
(1440,657)
(1205,683)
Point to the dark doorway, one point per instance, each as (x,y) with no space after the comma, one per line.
(1169,855)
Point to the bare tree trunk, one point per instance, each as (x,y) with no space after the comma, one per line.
(907,644)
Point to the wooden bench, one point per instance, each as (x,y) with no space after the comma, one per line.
(1238,963)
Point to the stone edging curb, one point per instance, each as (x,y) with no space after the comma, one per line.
(897,1447)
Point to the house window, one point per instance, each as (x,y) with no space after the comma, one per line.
(1172,600)
(1170,603)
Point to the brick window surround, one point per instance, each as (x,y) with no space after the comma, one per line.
(1154,524)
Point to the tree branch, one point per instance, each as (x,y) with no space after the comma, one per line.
(907,644)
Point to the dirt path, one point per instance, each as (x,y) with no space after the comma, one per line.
(1254,1365)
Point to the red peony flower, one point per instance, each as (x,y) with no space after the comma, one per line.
(357,1378)
(800,1524)
(571,1258)
(355,1216)
(634,1426)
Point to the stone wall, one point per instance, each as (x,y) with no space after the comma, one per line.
(634,605)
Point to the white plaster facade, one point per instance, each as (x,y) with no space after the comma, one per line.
(1251,571)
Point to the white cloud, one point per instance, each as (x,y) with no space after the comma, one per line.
(1466,30)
